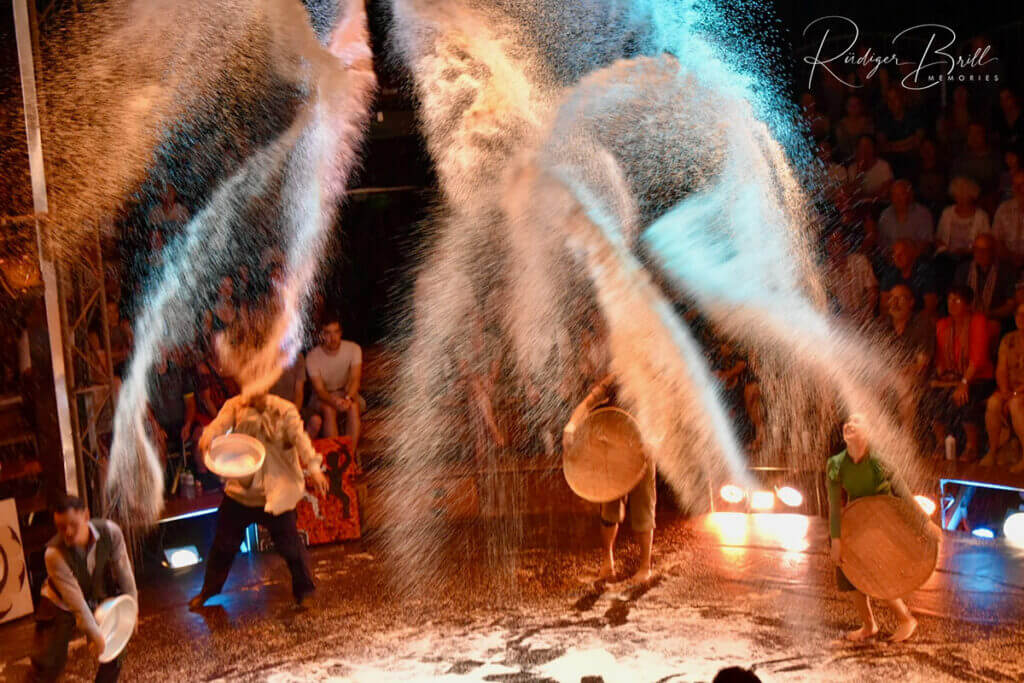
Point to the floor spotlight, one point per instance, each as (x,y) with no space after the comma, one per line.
(762,500)
(732,494)
(185,556)
(982,532)
(927,504)
(790,496)
(1013,528)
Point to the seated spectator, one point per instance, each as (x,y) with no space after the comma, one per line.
(913,338)
(899,132)
(979,161)
(214,387)
(818,123)
(850,281)
(334,368)
(852,126)
(870,175)
(172,404)
(905,268)
(963,369)
(906,219)
(1008,223)
(1010,124)
(224,311)
(954,122)
(991,283)
(291,385)
(1007,402)
(930,179)
(836,173)
(962,222)
(1012,164)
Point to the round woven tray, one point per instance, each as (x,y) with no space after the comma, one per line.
(889,549)
(606,459)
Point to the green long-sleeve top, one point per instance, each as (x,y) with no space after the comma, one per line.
(869,477)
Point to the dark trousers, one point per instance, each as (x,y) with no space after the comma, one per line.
(232,519)
(54,631)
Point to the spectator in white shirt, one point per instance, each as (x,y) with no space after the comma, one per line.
(850,281)
(963,221)
(1008,223)
(871,175)
(335,369)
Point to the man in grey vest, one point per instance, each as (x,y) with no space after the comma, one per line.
(80,562)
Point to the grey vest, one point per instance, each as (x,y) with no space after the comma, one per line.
(94,586)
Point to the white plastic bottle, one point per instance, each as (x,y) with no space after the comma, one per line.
(950,447)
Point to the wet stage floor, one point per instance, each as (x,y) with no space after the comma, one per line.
(731,590)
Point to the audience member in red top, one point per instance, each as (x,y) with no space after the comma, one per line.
(964,371)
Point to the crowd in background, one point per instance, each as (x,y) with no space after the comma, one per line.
(924,243)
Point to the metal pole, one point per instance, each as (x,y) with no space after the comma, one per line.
(23,36)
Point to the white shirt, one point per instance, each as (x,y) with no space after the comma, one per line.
(334,368)
(1008,226)
(872,180)
(279,484)
(957,233)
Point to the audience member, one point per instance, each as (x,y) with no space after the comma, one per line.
(818,122)
(291,385)
(852,126)
(1012,163)
(850,281)
(870,175)
(335,368)
(172,403)
(979,161)
(913,338)
(1008,223)
(963,221)
(991,283)
(899,133)
(906,219)
(1007,402)
(1010,124)
(907,269)
(964,373)
(931,177)
(954,122)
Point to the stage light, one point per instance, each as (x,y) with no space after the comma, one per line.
(790,496)
(1013,528)
(762,500)
(731,493)
(982,532)
(186,556)
(927,504)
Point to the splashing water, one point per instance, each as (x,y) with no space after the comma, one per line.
(130,76)
(595,160)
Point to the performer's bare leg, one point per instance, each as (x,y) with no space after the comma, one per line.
(870,627)
(646,544)
(908,624)
(608,533)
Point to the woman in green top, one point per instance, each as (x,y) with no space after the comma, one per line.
(859,473)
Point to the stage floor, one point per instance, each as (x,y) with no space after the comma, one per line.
(732,590)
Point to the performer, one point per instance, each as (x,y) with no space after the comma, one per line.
(270,496)
(640,501)
(79,560)
(859,473)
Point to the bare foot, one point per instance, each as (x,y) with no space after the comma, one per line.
(607,572)
(988,460)
(1019,467)
(643,575)
(863,633)
(905,630)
